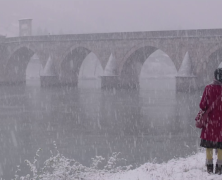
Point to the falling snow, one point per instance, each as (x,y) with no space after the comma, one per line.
(105,90)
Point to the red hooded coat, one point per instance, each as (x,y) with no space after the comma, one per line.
(213,130)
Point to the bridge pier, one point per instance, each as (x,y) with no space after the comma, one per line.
(130,85)
(186,84)
(49,76)
(185,80)
(110,82)
(110,79)
(114,82)
(48,81)
(68,84)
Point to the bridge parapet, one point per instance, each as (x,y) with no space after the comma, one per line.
(122,35)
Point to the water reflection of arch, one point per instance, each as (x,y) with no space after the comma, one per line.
(209,61)
(16,124)
(121,112)
(159,109)
(132,62)
(71,63)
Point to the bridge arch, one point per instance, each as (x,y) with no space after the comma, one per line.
(210,60)
(71,63)
(133,62)
(15,69)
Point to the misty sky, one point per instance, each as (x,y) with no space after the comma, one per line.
(94,16)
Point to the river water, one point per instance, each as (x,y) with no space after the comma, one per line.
(155,123)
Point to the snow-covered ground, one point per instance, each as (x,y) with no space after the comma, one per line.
(190,168)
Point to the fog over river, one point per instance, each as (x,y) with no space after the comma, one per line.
(154,123)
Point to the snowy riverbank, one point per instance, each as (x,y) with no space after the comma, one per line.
(58,168)
(192,168)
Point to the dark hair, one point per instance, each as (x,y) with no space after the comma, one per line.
(218,74)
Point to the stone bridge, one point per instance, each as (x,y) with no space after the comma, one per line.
(195,54)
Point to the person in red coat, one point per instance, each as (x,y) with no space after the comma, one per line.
(211,134)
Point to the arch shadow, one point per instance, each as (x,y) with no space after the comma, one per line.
(15,69)
(207,67)
(133,62)
(71,64)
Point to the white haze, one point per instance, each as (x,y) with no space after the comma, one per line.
(94,16)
